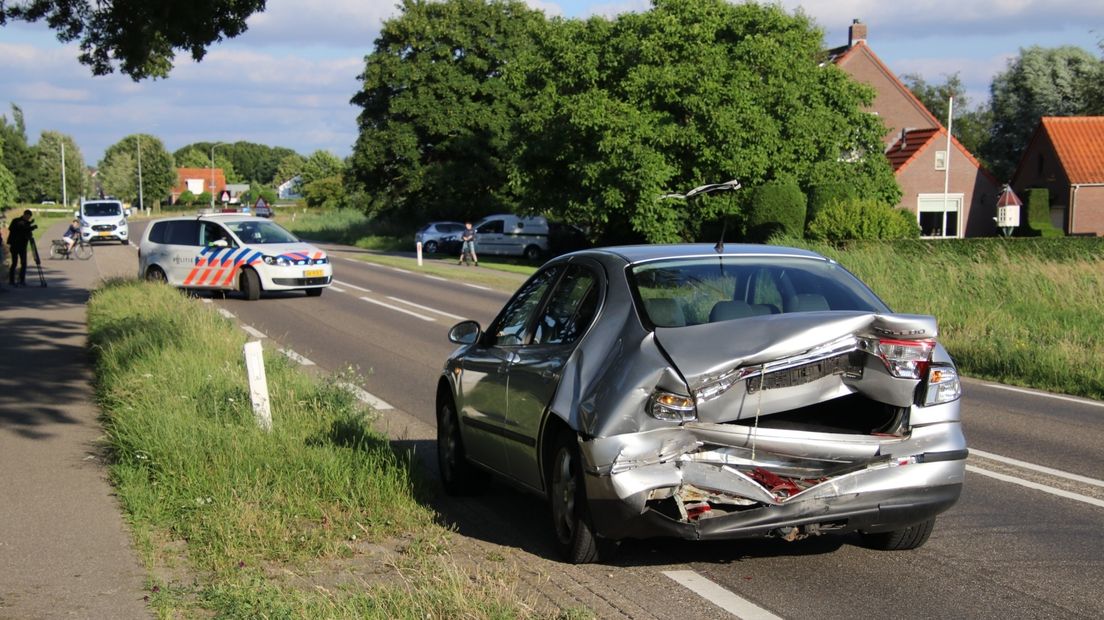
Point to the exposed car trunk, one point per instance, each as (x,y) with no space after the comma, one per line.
(793,406)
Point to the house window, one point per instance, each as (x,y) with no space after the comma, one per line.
(939,218)
(941,160)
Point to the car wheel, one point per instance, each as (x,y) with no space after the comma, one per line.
(911,537)
(458,476)
(249,283)
(314,292)
(123,242)
(571,522)
(156,274)
(532,252)
(431,247)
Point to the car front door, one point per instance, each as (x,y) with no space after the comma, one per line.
(484,403)
(538,365)
(489,237)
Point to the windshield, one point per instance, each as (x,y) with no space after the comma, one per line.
(102,209)
(691,291)
(260,233)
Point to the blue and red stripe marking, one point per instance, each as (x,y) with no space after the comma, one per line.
(209,264)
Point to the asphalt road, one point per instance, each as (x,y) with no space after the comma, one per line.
(1023,541)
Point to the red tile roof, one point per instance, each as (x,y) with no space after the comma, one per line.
(901,152)
(1079,143)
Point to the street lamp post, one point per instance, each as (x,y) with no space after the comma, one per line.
(141,199)
(213,175)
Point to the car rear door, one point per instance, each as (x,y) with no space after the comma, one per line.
(180,250)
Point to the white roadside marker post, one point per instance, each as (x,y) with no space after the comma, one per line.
(418,246)
(258,384)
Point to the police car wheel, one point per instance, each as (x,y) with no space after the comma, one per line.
(250,284)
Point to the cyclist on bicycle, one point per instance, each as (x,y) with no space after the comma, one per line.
(468,244)
(72,235)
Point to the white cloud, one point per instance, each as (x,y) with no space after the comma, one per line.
(336,23)
(44,91)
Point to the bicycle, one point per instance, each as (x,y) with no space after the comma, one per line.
(467,254)
(82,249)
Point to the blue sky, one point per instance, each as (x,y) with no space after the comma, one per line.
(288,80)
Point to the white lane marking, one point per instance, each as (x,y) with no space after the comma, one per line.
(1039,468)
(726,600)
(482,288)
(363,396)
(1038,487)
(398,309)
(435,277)
(226,313)
(252,332)
(1080,401)
(295,357)
(400,270)
(336,289)
(426,308)
(352,286)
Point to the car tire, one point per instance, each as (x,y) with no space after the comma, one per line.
(911,537)
(571,522)
(314,292)
(123,242)
(532,252)
(430,247)
(249,283)
(458,476)
(156,274)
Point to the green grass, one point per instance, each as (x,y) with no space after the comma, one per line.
(345,226)
(236,522)
(1022,311)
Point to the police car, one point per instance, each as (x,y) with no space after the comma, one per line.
(227,252)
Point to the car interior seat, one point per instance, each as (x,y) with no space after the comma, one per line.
(665,312)
(805,302)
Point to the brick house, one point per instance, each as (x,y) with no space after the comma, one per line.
(916,145)
(197,181)
(1066,156)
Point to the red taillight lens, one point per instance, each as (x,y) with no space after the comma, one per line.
(907,359)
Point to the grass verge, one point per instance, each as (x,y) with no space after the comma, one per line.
(319,518)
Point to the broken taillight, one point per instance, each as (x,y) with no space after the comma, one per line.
(670,407)
(906,359)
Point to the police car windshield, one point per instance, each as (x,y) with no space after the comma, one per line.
(260,233)
(102,209)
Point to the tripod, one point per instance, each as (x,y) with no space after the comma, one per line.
(38,263)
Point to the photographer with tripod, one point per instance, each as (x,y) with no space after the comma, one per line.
(20,234)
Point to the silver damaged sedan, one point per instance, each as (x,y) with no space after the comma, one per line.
(686,391)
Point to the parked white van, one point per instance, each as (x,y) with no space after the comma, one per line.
(512,235)
(103,220)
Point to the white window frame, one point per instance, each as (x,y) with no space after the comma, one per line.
(933,203)
(941,160)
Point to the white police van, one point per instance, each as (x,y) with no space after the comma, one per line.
(103,220)
(512,235)
(228,252)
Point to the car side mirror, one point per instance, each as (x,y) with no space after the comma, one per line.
(76,213)
(465,332)
(219,243)
(126,213)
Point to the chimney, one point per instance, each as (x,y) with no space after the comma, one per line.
(856,33)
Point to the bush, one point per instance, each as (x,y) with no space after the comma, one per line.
(1038,215)
(203,199)
(823,194)
(862,220)
(187,198)
(777,207)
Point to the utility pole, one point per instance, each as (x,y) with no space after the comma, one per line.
(64,193)
(213,175)
(141,201)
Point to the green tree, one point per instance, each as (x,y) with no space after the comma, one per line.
(1039,82)
(196,158)
(777,207)
(48,159)
(438,107)
(289,166)
(203,199)
(971,124)
(8,190)
(326,192)
(141,37)
(186,198)
(249,162)
(321,165)
(119,169)
(19,158)
(687,93)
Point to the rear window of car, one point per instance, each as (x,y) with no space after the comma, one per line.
(692,291)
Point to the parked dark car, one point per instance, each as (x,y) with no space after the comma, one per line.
(263,210)
(754,391)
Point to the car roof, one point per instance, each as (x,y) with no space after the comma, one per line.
(644,253)
(237,217)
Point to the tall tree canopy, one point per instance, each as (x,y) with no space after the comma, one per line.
(196,158)
(18,156)
(141,37)
(972,124)
(255,163)
(1039,82)
(8,190)
(687,93)
(437,111)
(48,160)
(119,169)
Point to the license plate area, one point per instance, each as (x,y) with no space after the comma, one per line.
(104,233)
(313,273)
(847,364)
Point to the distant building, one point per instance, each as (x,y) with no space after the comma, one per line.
(289,189)
(236,190)
(1066,156)
(197,181)
(916,146)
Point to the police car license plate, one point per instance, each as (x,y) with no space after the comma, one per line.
(312,273)
(104,233)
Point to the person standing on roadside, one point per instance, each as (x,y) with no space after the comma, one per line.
(467,244)
(19,235)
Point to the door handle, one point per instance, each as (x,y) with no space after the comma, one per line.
(548,375)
